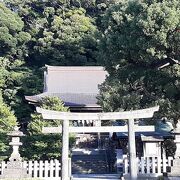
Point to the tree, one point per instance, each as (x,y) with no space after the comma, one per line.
(44,32)
(61,33)
(7,122)
(44,146)
(12,37)
(140,49)
(14,73)
(15,81)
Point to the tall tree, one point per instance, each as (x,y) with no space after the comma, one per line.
(140,49)
(14,73)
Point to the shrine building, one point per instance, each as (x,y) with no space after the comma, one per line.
(76,86)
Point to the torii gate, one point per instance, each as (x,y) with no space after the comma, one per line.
(129,115)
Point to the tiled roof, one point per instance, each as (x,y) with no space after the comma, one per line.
(69,99)
(84,79)
(75,85)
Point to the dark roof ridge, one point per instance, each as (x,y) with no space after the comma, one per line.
(76,68)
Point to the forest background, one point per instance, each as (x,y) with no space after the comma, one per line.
(138,43)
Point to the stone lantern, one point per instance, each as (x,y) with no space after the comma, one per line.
(14,167)
(15,143)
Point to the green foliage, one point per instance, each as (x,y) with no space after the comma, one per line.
(66,40)
(139,38)
(141,32)
(10,20)
(44,146)
(15,81)
(12,37)
(61,33)
(14,73)
(7,122)
(7,118)
(37,122)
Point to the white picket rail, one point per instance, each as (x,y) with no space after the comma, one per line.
(150,165)
(52,169)
(39,169)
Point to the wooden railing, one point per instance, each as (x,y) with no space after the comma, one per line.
(40,169)
(150,165)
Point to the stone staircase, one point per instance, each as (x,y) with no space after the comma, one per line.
(92,161)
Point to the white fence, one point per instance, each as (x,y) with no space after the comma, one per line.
(41,169)
(150,165)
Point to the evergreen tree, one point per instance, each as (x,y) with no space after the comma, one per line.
(61,33)
(140,49)
(13,39)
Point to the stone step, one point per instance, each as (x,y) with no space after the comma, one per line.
(88,151)
(172,178)
(88,158)
(142,177)
(90,161)
(91,167)
(96,176)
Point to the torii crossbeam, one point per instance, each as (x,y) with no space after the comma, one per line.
(129,115)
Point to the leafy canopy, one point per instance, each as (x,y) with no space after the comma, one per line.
(61,32)
(140,49)
(16,80)
(12,37)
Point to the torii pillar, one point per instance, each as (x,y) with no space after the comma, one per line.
(132,150)
(129,115)
(65,151)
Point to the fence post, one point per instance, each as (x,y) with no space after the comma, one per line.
(126,166)
(148,165)
(3,165)
(159,165)
(30,168)
(153,165)
(35,168)
(51,168)
(41,168)
(70,167)
(57,168)
(164,163)
(25,166)
(142,165)
(46,168)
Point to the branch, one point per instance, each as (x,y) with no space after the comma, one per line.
(165,63)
